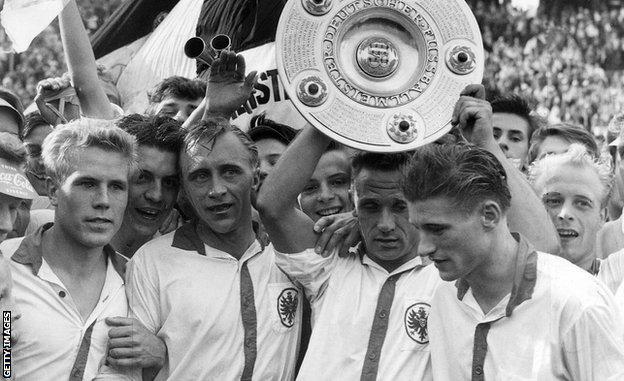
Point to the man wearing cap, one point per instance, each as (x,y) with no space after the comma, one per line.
(67,279)
(14,186)
(11,113)
(271,138)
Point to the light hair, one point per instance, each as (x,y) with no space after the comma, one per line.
(60,146)
(578,156)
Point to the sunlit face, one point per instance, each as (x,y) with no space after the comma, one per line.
(177,108)
(8,213)
(390,238)
(327,191)
(269,152)
(35,171)
(511,132)
(91,201)
(7,302)
(552,145)
(572,197)
(453,239)
(152,192)
(218,180)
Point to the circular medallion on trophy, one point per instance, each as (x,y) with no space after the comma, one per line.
(378,75)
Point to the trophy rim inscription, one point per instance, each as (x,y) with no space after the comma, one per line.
(357,105)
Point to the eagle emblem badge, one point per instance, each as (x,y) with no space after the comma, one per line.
(416,322)
(287,306)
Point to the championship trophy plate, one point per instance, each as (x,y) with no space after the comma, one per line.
(378,75)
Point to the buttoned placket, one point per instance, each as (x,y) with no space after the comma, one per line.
(484,323)
(248,305)
(379,327)
(523,285)
(113,285)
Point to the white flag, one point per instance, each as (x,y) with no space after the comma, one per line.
(23,20)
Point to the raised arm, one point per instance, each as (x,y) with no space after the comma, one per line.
(81,64)
(527,214)
(227,89)
(291,230)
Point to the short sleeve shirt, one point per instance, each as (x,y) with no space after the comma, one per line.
(54,342)
(347,305)
(190,294)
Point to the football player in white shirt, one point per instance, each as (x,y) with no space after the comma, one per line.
(367,305)
(67,278)
(506,310)
(385,290)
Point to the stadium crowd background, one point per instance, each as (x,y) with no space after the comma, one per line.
(568,59)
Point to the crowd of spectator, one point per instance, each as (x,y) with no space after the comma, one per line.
(569,63)
(44,58)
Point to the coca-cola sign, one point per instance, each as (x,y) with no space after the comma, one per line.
(14,183)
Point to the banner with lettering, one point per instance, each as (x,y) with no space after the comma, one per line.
(161,55)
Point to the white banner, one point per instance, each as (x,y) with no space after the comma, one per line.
(270,96)
(140,66)
(161,56)
(23,20)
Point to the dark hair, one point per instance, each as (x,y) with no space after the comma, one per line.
(32,121)
(209,130)
(517,105)
(178,87)
(462,172)
(15,102)
(386,162)
(260,127)
(570,132)
(156,131)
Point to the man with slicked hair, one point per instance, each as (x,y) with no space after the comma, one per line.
(506,311)
(210,290)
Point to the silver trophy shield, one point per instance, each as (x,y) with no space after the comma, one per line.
(378,75)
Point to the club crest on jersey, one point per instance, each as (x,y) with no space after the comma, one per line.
(287,306)
(416,322)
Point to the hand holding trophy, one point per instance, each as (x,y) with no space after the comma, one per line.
(378,75)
